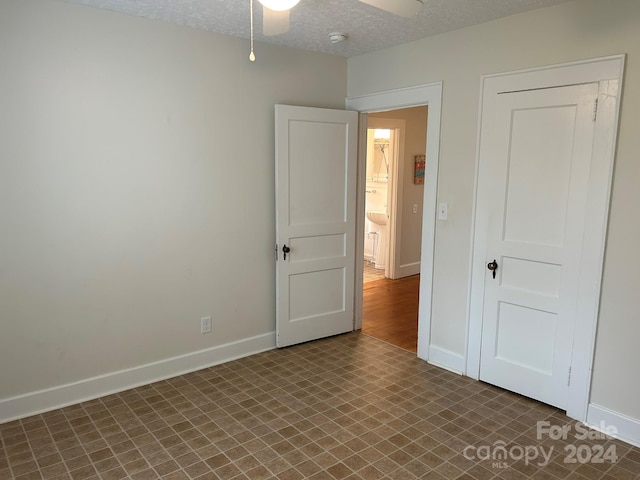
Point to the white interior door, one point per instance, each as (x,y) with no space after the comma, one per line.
(316,161)
(535,158)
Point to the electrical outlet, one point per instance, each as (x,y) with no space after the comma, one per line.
(415,208)
(205,325)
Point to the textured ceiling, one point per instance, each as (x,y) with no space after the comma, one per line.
(369,28)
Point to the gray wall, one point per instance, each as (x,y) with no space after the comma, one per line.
(136,188)
(568,32)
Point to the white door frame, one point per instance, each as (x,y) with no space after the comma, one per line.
(430,95)
(608,72)
(395,192)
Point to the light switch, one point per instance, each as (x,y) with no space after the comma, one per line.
(443,211)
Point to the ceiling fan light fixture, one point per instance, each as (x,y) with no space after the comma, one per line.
(279,5)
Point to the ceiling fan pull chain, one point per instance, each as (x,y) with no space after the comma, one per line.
(252,56)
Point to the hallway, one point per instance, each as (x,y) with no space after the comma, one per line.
(390,311)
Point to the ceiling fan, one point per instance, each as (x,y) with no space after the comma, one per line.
(275,17)
(276,12)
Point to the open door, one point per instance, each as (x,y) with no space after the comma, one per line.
(316,161)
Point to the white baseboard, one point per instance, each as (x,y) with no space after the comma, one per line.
(628,428)
(32,403)
(443,358)
(409,269)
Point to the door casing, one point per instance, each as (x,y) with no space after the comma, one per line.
(395,188)
(608,72)
(430,95)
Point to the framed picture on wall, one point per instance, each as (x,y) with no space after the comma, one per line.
(418,172)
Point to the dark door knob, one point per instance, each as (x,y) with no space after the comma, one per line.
(493,266)
(285,250)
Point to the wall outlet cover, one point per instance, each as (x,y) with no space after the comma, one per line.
(205,325)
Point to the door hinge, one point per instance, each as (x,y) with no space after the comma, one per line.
(276,252)
(595,109)
(569,378)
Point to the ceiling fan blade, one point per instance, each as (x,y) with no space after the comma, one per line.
(403,8)
(274,22)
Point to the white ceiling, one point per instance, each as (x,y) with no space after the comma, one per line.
(369,28)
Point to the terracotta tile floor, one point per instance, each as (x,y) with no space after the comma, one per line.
(347,407)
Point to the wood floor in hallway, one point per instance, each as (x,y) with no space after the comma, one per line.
(390,311)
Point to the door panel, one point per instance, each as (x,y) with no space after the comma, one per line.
(539,167)
(317,294)
(534,277)
(317,166)
(526,337)
(537,150)
(315,217)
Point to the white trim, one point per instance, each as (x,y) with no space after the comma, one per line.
(33,403)
(609,72)
(360,206)
(573,73)
(443,358)
(430,95)
(474,328)
(409,269)
(594,245)
(394,99)
(628,428)
(394,202)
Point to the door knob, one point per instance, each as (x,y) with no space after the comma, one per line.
(493,266)
(285,250)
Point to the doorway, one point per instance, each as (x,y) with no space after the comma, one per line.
(383,196)
(392,238)
(431,96)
